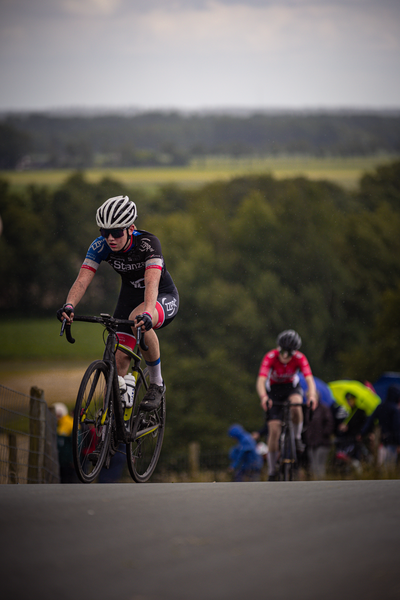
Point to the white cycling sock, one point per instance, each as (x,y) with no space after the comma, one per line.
(154,369)
(272,459)
(297,429)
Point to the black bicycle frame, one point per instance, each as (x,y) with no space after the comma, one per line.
(112,391)
(287,431)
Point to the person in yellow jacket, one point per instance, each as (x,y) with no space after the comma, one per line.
(64,420)
(64,443)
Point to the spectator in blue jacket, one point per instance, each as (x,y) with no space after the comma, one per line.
(246,463)
(387,415)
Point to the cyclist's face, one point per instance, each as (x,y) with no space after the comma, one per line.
(117,244)
(285,356)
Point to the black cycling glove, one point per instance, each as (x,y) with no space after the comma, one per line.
(147,321)
(67,309)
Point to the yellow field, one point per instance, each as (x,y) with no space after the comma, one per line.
(343,171)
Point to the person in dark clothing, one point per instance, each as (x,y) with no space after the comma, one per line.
(318,438)
(349,434)
(387,415)
(352,425)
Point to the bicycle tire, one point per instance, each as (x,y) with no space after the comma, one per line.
(280,465)
(284,470)
(288,474)
(291,455)
(143,453)
(91,430)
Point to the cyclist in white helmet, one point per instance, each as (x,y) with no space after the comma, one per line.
(148,294)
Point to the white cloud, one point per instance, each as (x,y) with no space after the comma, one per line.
(228,25)
(90,8)
(199,52)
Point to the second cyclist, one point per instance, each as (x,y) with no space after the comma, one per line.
(277,381)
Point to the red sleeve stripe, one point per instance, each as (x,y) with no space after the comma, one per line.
(87,267)
(153,267)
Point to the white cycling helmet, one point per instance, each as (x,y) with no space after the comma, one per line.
(116,212)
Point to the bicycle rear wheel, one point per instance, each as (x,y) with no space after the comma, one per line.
(92,423)
(147,428)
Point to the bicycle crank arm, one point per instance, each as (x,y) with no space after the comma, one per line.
(144,432)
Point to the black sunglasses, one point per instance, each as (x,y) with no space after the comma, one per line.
(288,352)
(116,233)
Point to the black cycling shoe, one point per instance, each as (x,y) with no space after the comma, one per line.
(272,478)
(152,398)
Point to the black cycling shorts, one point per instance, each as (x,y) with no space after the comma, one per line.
(167,307)
(280,392)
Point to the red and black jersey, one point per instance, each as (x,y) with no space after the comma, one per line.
(277,372)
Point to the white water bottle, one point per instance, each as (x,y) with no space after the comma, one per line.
(130,383)
(122,389)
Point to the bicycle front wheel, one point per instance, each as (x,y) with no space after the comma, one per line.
(289,461)
(147,428)
(92,423)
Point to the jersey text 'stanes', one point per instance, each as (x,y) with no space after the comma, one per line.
(277,372)
(143,253)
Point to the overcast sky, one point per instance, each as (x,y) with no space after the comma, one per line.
(199,54)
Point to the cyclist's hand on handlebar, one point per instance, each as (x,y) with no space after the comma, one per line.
(144,321)
(66,312)
(266,403)
(312,402)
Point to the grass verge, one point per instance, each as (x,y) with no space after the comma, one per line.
(33,339)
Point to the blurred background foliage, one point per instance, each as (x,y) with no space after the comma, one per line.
(250,257)
(80,141)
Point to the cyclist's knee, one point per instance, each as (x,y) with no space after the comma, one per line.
(136,311)
(296,399)
(155,316)
(296,412)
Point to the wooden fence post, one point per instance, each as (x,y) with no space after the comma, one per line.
(50,458)
(37,427)
(194,459)
(12,458)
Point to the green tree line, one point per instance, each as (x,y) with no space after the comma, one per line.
(250,257)
(172,138)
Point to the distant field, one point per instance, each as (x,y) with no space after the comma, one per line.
(343,171)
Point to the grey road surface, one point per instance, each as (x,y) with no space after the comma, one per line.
(201,541)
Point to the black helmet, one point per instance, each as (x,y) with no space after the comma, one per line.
(289,340)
